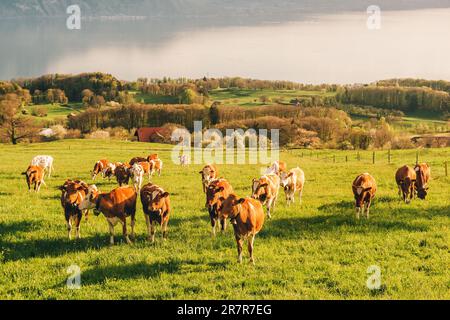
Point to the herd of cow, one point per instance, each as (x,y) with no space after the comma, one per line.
(223,204)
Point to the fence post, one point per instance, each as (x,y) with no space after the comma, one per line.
(446,168)
(346,158)
(373,157)
(389,156)
(334,158)
(358,156)
(417,157)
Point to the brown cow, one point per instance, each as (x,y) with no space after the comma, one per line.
(265,189)
(217,189)
(364,189)
(147,168)
(116,206)
(423,175)
(209,173)
(34,175)
(293,182)
(122,174)
(406,179)
(72,194)
(99,168)
(156,205)
(156,166)
(247,217)
(152,157)
(137,160)
(277,168)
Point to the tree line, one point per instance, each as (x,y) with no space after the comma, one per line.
(400,98)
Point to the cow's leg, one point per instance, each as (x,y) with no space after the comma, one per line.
(152,231)
(111,232)
(86,215)
(368,209)
(133,223)
(69,226)
(164,229)
(251,241)
(301,195)
(223,223)
(77,224)
(123,221)
(148,223)
(213,227)
(239,243)
(358,211)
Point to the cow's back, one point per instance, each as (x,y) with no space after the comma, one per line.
(255,214)
(365,181)
(124,197)
(405,173)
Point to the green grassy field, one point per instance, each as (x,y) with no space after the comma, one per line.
(316,250)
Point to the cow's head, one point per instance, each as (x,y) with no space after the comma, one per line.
(90,201)
(73,192)
(260,189)
(208,173)
(286,179)
(158,201)
(360,194)
(422,192)
(32,174)
(230,207)
(213,194)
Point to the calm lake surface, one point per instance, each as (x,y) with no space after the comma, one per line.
(314,49)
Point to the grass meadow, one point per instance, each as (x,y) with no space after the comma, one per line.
(316,250)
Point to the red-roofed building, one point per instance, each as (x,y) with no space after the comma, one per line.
(149,134)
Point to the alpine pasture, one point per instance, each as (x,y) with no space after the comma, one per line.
(313,250)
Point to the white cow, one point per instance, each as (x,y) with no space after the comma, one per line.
(45,162)
(292,182)
(137,175)
(184,160)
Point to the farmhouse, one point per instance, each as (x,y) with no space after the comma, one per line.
(149,134)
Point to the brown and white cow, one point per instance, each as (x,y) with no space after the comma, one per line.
(34,176)
(156,166)
(278,167)
(293,182)
(423,175)
(99,168)
(147,168)
(122,174)
(208,173)
(364,188)
(136,160)
(406,180)
(152,157)
(265,189)
(156,205)
(116,206)
(247,218)
(72,194)
(217,189)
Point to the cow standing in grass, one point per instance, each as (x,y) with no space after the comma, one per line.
(34,176)
(99,168)
(364,189)
(156,166)
(423,175)
(116,206)
(265,189)
(122,174)
(137,176)
(72,194)
(292,182)
(156,205)
(216,190)
(208,173)
(247,218)
(406,180)
(45,162)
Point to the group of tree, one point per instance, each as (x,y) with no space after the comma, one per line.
(50,96)
(73,85)
(438,85)
(399,98)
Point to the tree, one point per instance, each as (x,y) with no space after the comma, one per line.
(188,96)
(14,126)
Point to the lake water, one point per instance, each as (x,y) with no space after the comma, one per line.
(314,49)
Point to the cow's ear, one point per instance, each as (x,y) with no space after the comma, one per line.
(220,189)
(240,201)
(368,189)
(222,199)
(200,172)
(62,188)
(263,185)
(165,195)
(24,173)
(290,174)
